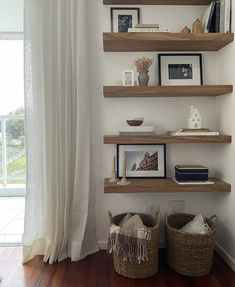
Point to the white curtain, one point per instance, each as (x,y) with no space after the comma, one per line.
(59,215)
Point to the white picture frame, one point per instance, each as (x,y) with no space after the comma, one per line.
(180,69)
(128,78)
(135,155)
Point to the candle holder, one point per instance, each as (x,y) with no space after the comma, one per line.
(124,181)
(113,177)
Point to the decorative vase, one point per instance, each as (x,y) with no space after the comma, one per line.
(197,26)
(143,78)
(186,30)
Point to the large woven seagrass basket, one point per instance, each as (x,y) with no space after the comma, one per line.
(189,254)
(144,269)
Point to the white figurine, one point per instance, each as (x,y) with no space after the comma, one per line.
(195,119)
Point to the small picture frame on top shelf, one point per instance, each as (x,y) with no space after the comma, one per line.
(124,18)
(142,160)
(180,69)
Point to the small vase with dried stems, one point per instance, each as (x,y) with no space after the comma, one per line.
(142,66)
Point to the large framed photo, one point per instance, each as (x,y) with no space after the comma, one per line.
(124,18)
(142,161)
(180,69)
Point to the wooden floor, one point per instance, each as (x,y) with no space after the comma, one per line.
(97,271)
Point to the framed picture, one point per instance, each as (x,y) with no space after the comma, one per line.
(128,78)
(180,69)
(124,18)
(142,161)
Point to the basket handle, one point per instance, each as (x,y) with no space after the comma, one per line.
(110,217)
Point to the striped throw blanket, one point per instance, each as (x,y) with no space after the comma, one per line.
(129,244)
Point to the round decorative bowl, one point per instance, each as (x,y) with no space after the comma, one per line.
(135,122)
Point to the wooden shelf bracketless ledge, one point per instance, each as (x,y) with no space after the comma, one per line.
(136,42)
(166,91)
(165,185)
(157,2)
(161,139)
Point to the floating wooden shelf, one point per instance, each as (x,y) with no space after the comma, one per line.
(126,42)
(161,139)
(157,2)
(166,91)
(165,185)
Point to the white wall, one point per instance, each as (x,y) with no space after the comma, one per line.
(11,15)
(225,157)
(164,114)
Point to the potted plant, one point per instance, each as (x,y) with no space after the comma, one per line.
(142,66)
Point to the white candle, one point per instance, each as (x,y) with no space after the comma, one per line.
(124,165)
(114,161)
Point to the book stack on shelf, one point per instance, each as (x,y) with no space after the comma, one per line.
(191,174)
(217,17)
(193,132)
(147,28)
(137,131)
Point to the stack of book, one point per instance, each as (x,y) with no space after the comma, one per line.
(191,174)
(193,132)
(217,17)
(137,131)
(147,28)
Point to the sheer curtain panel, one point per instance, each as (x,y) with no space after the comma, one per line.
(59,215)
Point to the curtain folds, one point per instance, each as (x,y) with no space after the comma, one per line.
(59,215)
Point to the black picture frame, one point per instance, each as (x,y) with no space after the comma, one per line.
(112,9)
(162,70)
(160,173)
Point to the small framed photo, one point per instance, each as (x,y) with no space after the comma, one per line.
(124,18)
(142,161)
(128,78)
(180,69)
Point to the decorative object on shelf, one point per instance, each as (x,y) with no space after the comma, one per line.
(142,66)
(195,119)
(186,30)
(124,180)
(128,78)
(197,26)
(135,122)
(180,69)
(142,161)
(113,174)
(124,18)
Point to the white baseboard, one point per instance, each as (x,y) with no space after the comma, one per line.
(227,258)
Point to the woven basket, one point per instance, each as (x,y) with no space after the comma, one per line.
(144,269)
(189,254)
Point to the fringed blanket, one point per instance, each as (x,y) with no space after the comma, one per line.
(130,244)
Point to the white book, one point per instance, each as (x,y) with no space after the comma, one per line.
(175,133)
(144,30)
(225,14)
(137,129)
(193,182)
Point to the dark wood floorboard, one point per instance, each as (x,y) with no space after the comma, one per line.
(97,271)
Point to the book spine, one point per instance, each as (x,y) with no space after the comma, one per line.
(217,16)
(137,129)
(144,30)
(194,134)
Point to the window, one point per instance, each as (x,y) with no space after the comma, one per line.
(12,138)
